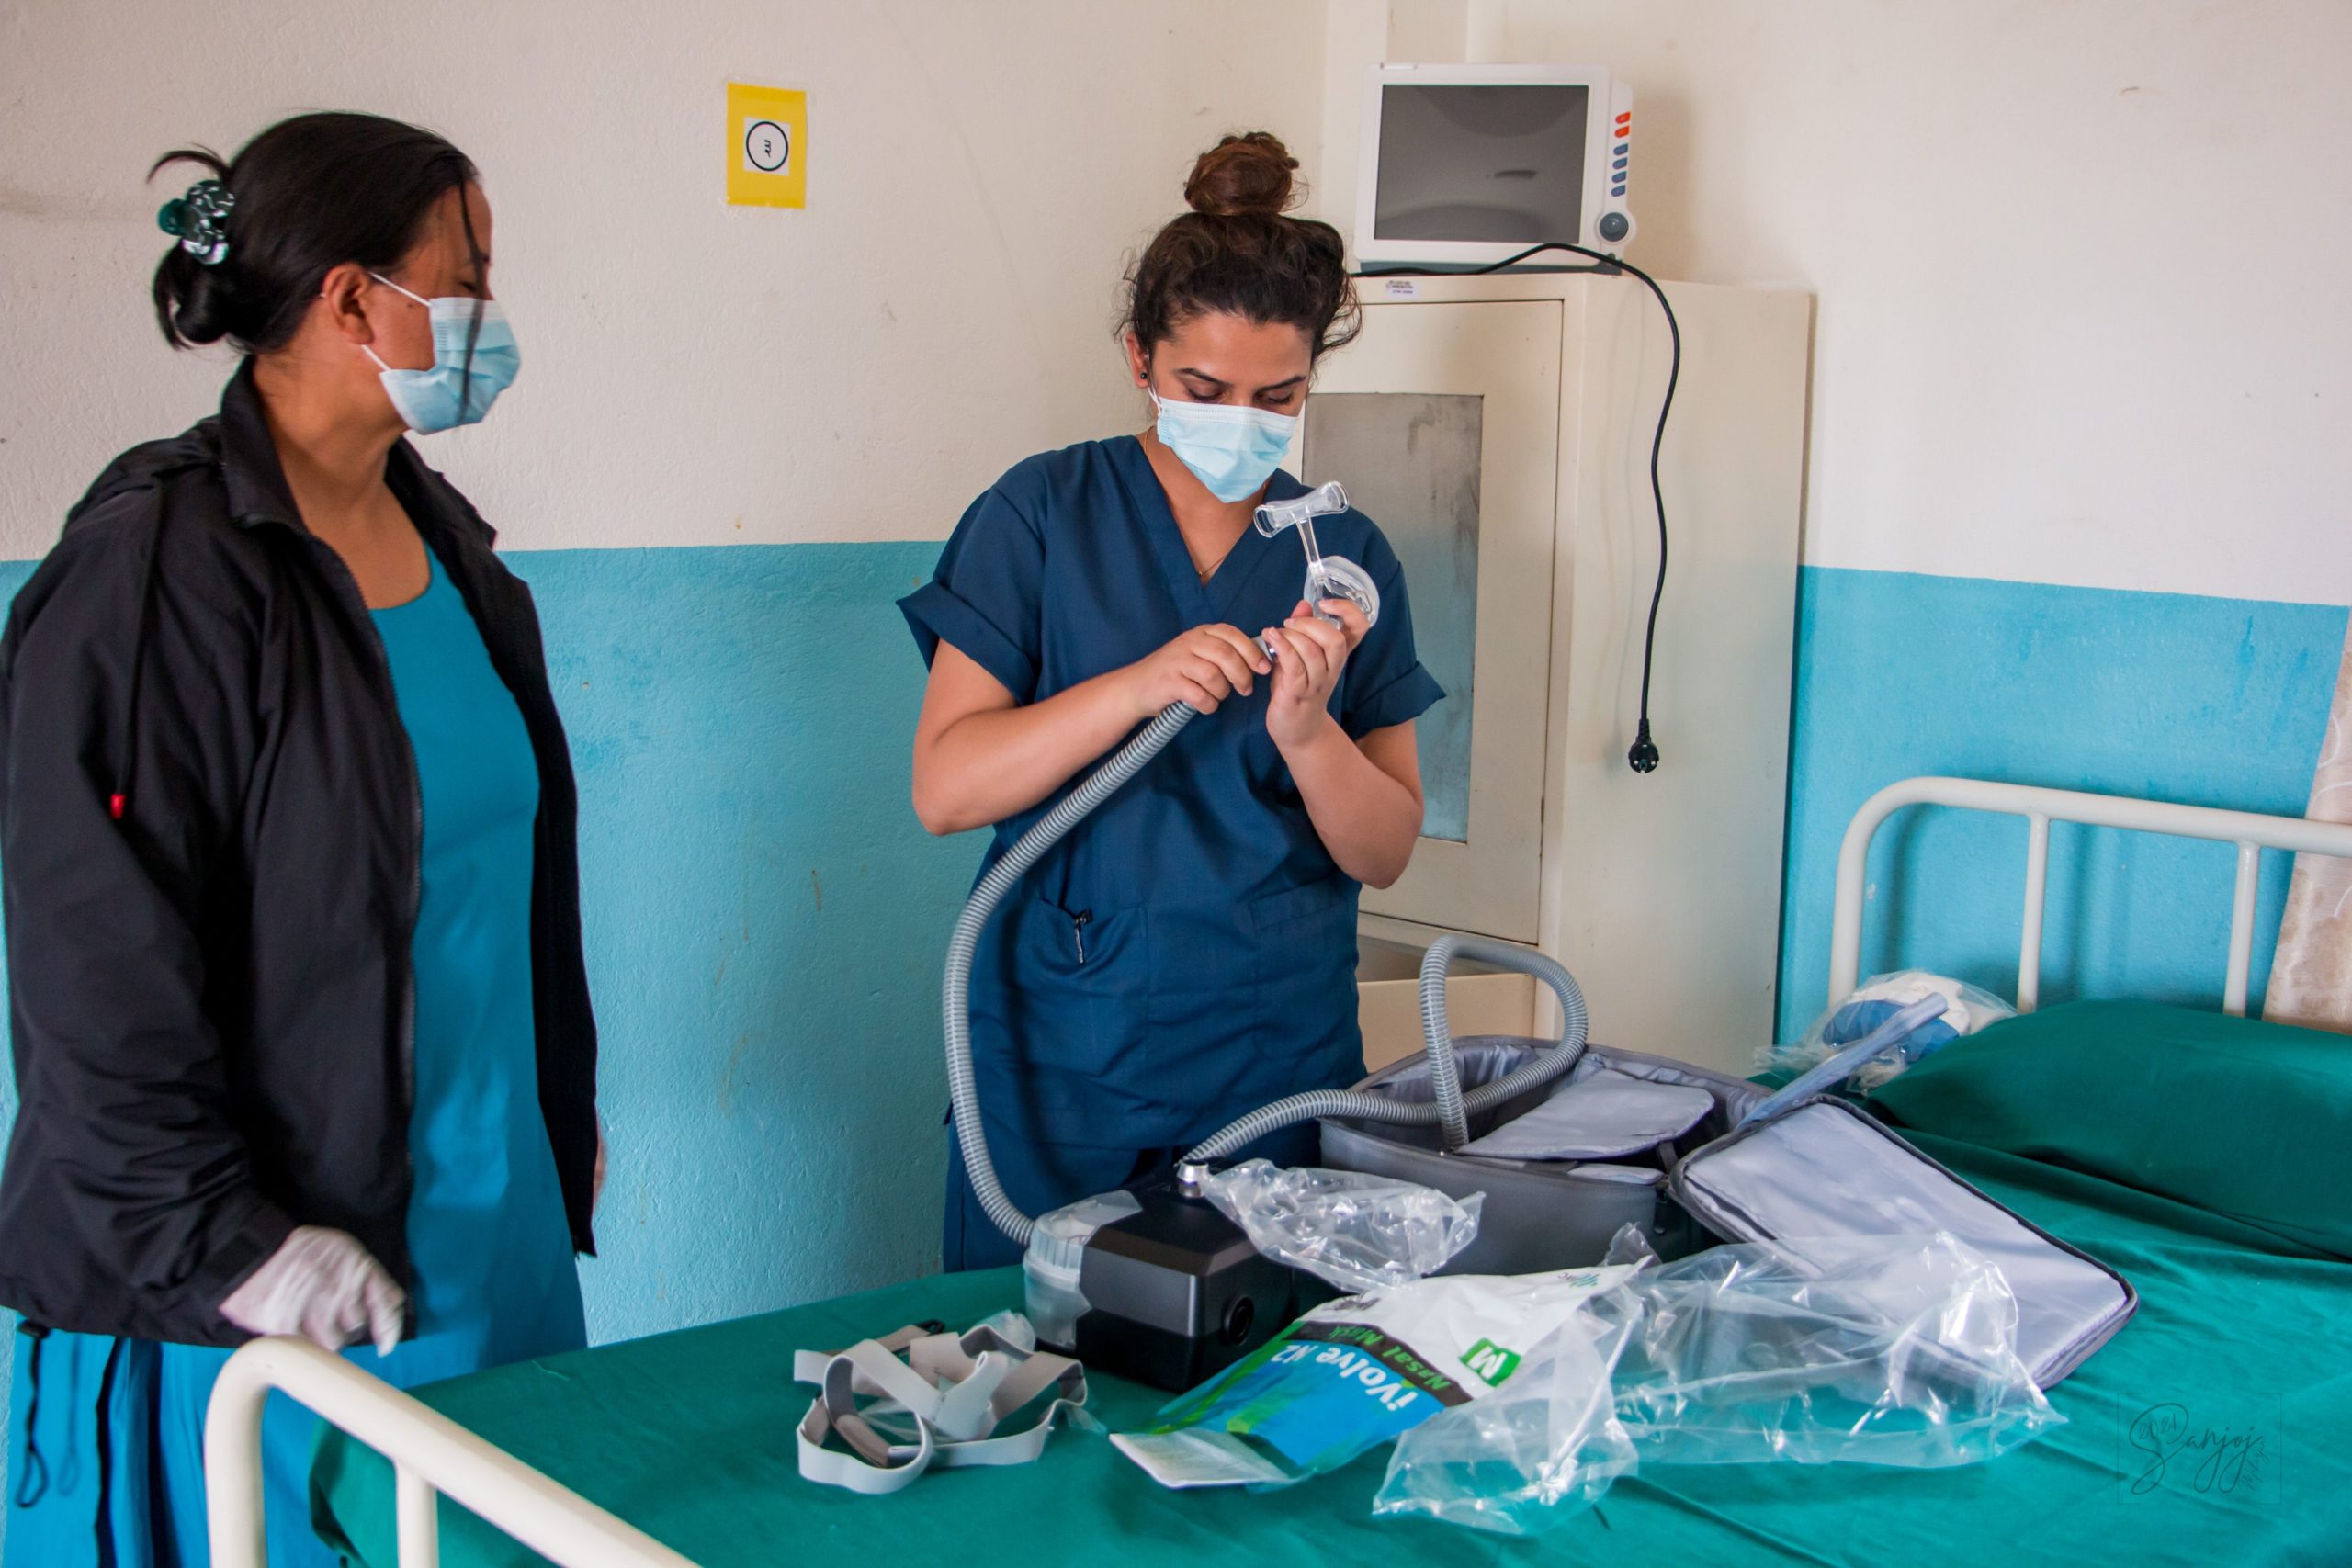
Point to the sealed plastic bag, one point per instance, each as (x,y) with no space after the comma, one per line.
(1894,1350)
(1539,1449)
(1965,1010)
(1353,1231)
(1353,1373)
(1057,1255)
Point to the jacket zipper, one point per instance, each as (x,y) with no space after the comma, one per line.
(407,959)
(1077,932)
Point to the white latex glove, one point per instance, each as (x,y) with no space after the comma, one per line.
(320,1284)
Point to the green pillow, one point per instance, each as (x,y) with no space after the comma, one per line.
(2252,1120)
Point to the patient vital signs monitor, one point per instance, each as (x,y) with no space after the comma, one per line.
(1468,165)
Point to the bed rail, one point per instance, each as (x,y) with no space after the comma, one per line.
(430,1454)
(2252,832)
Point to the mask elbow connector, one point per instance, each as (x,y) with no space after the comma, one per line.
(1327,576)
(1324,500)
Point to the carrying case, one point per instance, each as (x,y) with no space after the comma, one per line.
(1826,1167)
(1823,1167)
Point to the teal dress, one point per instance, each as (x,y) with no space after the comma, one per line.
(495,1281)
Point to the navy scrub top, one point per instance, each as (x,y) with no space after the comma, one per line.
(1187,952)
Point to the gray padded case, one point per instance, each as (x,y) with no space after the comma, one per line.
(1826,1167)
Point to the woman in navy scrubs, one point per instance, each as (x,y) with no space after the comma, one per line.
(1188,953)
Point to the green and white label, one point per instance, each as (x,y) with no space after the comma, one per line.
(1489,1362)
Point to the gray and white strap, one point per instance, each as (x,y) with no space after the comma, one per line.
(958,1389)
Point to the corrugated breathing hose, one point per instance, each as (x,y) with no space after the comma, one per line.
(957,991)
(1448,1106)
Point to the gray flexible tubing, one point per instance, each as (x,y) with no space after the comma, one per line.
(1445,1075)
(962,1093)
(1450,1108)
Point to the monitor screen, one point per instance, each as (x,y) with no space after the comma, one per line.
(1488,161)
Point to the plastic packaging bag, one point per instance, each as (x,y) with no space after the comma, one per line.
(1967,1010)
(1353,1231)
(1049,1270)
(1892,1041)
(1543,1449)
(1893,1350)
(1353,1373)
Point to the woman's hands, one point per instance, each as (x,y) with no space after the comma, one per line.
(1364,796)
(1311,652)
(1204,666)
(1201,667)
(980,756)
(320,1284)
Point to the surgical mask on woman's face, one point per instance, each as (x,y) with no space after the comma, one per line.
(452,393)
(1231,449)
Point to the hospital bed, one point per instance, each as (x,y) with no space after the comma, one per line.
(2201,1154)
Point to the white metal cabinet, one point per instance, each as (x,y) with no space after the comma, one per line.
(1662,891)
(1481,874)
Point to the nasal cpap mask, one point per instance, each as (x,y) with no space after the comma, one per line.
(1327,576)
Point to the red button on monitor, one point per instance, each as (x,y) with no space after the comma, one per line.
(1626,119)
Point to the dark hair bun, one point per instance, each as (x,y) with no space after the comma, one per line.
(1243,175)
(1238,253)
(195,297)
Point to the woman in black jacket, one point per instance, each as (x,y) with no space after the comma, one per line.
(300,1023)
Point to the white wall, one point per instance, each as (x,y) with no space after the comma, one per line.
(695,373)
(2081,266)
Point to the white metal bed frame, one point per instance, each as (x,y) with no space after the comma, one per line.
(2252,832)
(431,1455)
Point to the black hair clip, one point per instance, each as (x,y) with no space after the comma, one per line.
(200,220)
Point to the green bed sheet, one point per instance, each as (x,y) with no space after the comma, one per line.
(2216,1428)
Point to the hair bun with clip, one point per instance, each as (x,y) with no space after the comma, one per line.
(200,220)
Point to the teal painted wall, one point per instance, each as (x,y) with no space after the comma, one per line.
(764,921)
(2212,702)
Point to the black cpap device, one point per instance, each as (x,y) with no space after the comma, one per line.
(1169,1295)
(1152,1283)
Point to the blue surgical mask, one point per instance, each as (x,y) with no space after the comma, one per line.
(451,393)
(1231,449)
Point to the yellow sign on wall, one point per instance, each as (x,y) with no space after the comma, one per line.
(767,146)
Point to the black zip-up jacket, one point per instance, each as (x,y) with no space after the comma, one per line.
(210,835)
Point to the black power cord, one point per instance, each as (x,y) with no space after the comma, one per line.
(1644,756)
